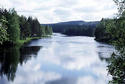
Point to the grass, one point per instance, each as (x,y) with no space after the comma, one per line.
(21,42)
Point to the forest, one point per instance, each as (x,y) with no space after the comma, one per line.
(75,28)
(18,29)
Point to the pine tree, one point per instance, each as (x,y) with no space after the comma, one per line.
(13,26)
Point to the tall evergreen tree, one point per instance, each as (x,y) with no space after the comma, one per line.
(13,26)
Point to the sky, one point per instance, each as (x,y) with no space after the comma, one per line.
(53,11)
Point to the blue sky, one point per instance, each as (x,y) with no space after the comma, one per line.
(52,11)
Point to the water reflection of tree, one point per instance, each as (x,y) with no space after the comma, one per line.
(28,52)
(102,57)
(11,57)
(116,66)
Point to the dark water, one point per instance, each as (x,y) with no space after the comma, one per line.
(56,60)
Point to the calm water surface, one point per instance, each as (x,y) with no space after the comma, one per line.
(56,60)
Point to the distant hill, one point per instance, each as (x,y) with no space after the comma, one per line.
(77,23)
(77,28)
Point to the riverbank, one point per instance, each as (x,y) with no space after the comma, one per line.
(19,42)
(22,42)
(27,40)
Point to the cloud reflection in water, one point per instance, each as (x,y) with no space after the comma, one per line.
(65,60)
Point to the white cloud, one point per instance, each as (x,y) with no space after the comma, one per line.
(49,11)
(90,80)
(32,72)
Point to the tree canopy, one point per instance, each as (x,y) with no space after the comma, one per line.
(14,27)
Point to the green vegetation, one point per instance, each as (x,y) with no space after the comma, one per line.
(3,30)
(47,30)
(102,32)
(21,42)
(79,31)
(13,25)
(75,28)
(113,31)
(19,29)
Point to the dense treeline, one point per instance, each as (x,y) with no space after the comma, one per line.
(14,27)
(75,28)
(101,32)
(79,31)
(113,31)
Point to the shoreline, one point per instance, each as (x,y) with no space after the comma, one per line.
(22,42)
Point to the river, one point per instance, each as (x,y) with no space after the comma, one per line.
(56,60)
